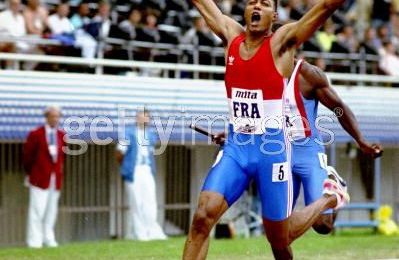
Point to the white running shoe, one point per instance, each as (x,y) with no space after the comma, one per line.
(333,174)
(336,185)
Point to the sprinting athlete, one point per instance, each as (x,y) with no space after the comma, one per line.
(257,64)
(309,85)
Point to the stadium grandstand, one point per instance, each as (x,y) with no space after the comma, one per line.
(362,37)
(97,59)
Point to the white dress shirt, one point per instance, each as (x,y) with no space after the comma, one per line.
(52,147)
(11,24)
(390,64)
(59,25)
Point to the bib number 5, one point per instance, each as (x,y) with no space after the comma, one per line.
(280,172)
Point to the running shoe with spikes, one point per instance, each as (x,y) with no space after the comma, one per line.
(336,185)
(333,175)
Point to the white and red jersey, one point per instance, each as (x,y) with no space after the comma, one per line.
(254,89)
(300,121)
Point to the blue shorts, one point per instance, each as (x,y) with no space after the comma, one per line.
(261,158)
(308,169)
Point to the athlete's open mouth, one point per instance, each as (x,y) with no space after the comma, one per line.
(255,17)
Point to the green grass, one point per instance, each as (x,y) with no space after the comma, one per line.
(346,245)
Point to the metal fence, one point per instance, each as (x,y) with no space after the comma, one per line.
(359,62)
(13,196)
(84,205)
(92,204)
(178,187)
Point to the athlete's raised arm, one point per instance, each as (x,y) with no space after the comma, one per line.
(292,35)
(222,25)
(328,97)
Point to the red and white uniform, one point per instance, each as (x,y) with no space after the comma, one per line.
(254,89)
(294,108)
(256,148)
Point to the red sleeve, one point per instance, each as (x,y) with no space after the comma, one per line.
(29,151)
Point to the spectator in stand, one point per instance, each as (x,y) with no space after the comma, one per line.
(100,25)
(149,32)
(63,29)
(36,17)
(326,37)
(200,34)
(370,43)
(60,27)
(348,39)
(389,62)
(383,35)
(59,22)
(130,25)
(11,20)
(82,38)
(81,18)
(12,23)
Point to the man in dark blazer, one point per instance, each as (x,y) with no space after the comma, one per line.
(43,159)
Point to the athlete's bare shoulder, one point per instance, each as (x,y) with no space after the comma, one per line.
(311,78)
(314,75)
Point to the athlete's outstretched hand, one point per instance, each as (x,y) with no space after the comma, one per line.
(219,138)
(372,150)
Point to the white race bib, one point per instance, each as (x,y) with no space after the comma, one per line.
(280,172)
(323,160)
(247,111)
